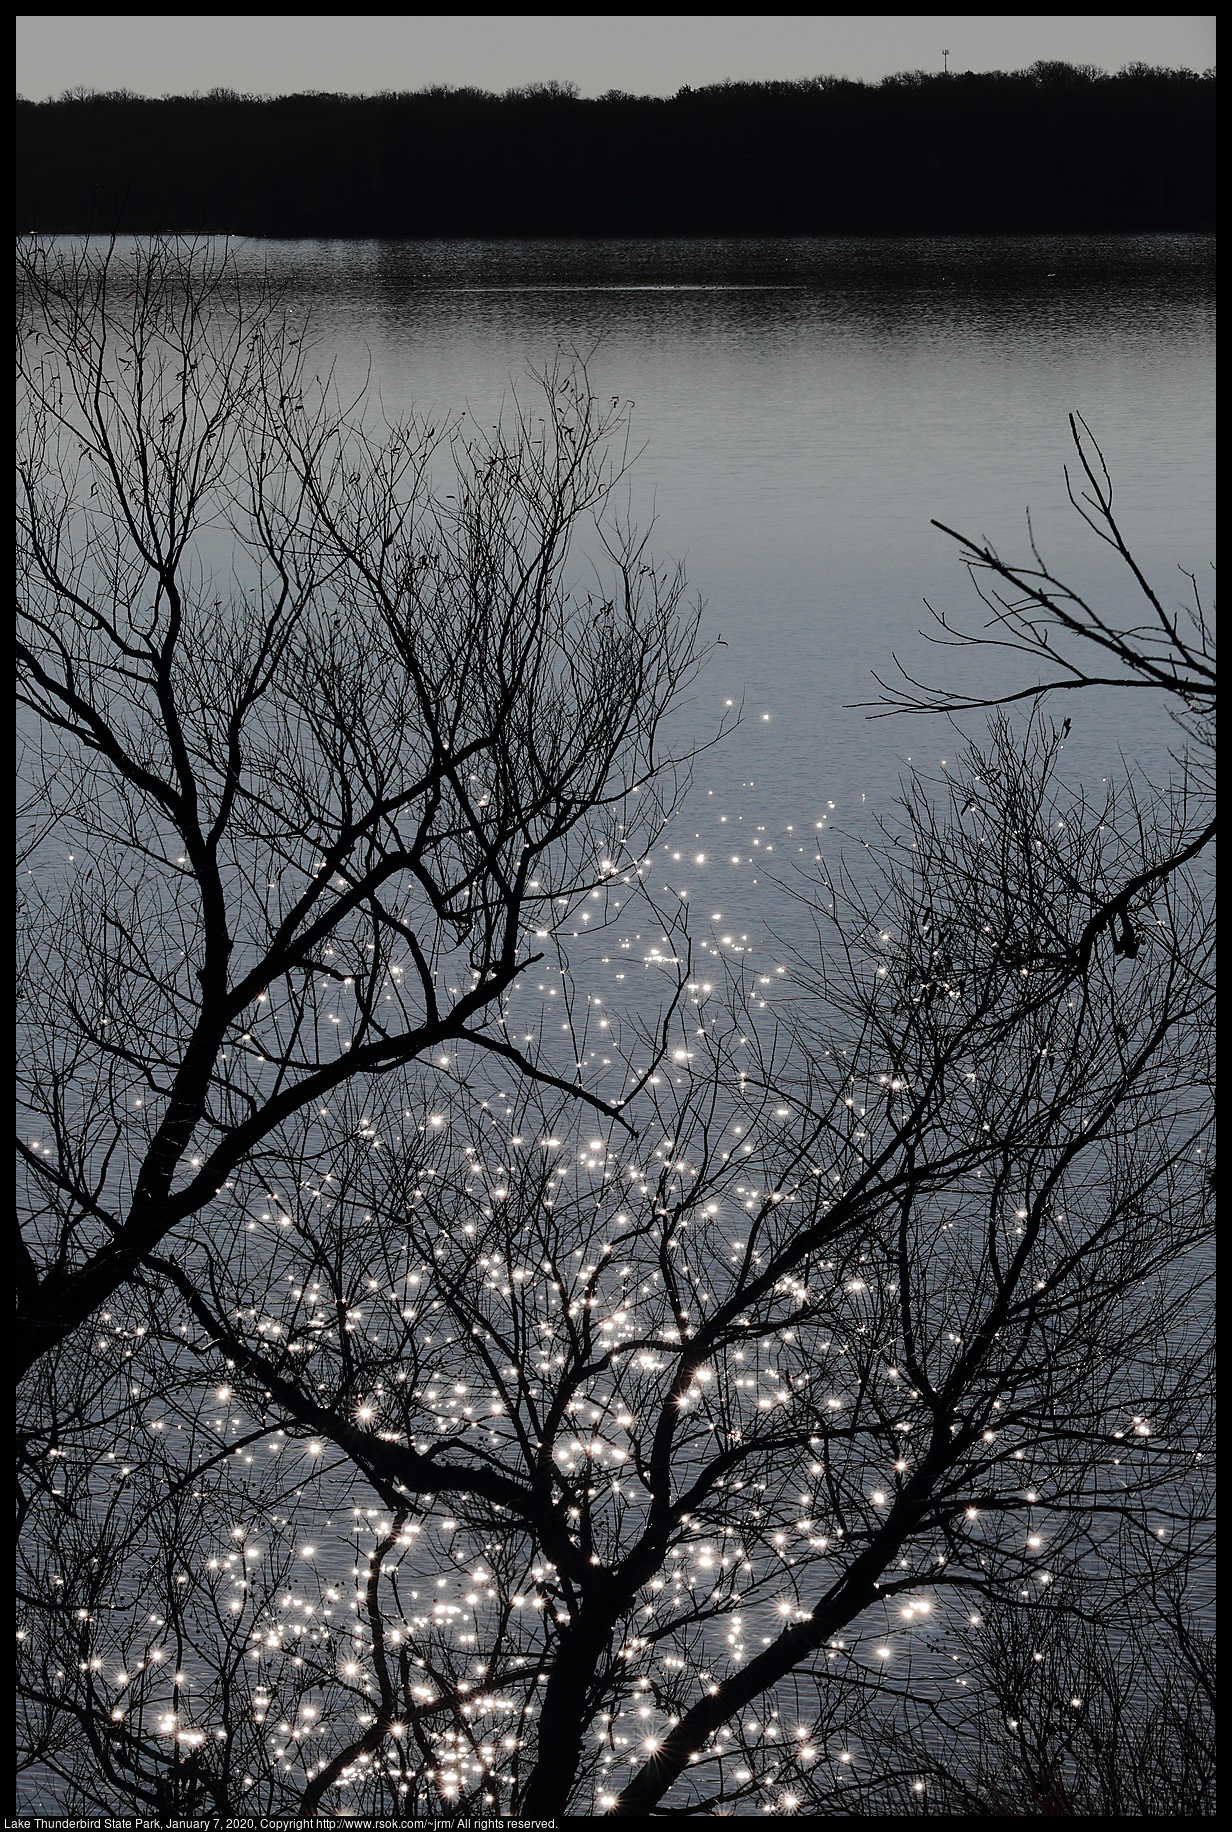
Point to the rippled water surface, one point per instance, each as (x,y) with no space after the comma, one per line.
(806,407)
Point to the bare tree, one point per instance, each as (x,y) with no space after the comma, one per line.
(1070,640)
(656,1432)
(324,732)
(1095,1697)
(1086,1712)
(658,1449)
(1073,643)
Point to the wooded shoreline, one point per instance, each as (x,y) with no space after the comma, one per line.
(1056,148)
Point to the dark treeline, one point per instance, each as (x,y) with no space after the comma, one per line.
(1054,148)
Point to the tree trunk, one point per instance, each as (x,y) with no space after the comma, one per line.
(565,1715)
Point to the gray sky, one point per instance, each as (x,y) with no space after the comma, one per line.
(648,54)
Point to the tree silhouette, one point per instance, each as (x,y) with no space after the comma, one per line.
(481,1442)
(919,153)
(314,812)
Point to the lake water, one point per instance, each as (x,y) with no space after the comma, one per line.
(806,407)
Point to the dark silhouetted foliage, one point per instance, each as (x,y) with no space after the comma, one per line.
(1058,147)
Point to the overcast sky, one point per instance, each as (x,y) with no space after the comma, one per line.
(647,54)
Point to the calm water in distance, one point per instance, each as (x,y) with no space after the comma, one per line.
(806,407)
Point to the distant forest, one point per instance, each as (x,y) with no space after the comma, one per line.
(1055,148)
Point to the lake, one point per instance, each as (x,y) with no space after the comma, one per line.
(806,406)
